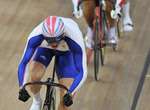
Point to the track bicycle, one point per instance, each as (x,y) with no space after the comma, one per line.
(99,35)
(50,98)
(100,27)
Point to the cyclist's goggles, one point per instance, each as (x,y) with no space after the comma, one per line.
(54,39)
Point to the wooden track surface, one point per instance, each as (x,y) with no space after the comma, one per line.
(118,79)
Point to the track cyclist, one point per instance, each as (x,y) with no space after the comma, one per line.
(89,11)
(59,37)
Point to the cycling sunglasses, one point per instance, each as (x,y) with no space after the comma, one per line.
(54,39)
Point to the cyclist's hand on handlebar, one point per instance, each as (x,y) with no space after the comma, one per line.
(23,95)
(67,99)
(116,14)
(78,13)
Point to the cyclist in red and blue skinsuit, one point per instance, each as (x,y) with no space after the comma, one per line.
(89,12)
(60,37)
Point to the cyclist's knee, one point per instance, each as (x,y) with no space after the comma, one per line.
(109,7)
(37,71)
(67,82)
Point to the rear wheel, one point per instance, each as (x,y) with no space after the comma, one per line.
(96,48)
(102,53)
(104,27)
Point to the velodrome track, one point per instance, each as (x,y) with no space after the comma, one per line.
(118,79)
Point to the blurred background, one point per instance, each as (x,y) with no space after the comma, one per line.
(118,79)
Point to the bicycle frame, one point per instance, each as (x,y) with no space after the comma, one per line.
(48,98)
(97,15)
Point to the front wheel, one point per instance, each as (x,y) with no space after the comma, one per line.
(53,99)
(51,103)
(45,107)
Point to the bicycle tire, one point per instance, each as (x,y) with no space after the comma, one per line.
(52,102)
(96,50)
(45,107)
(53,99)
(104,27)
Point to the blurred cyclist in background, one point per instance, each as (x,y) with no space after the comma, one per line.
(89,7)
(89,11)
(60,37)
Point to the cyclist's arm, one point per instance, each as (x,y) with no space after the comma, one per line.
(31,46)
(79,57)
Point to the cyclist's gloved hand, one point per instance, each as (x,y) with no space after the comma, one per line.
(116,14)
(67,99)
(78,13)
(23,95)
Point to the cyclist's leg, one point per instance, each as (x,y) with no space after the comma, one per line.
(89,12)
(66,72)
(36,73)
(40,62)
(109,7)
(127,22)
(111,22)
